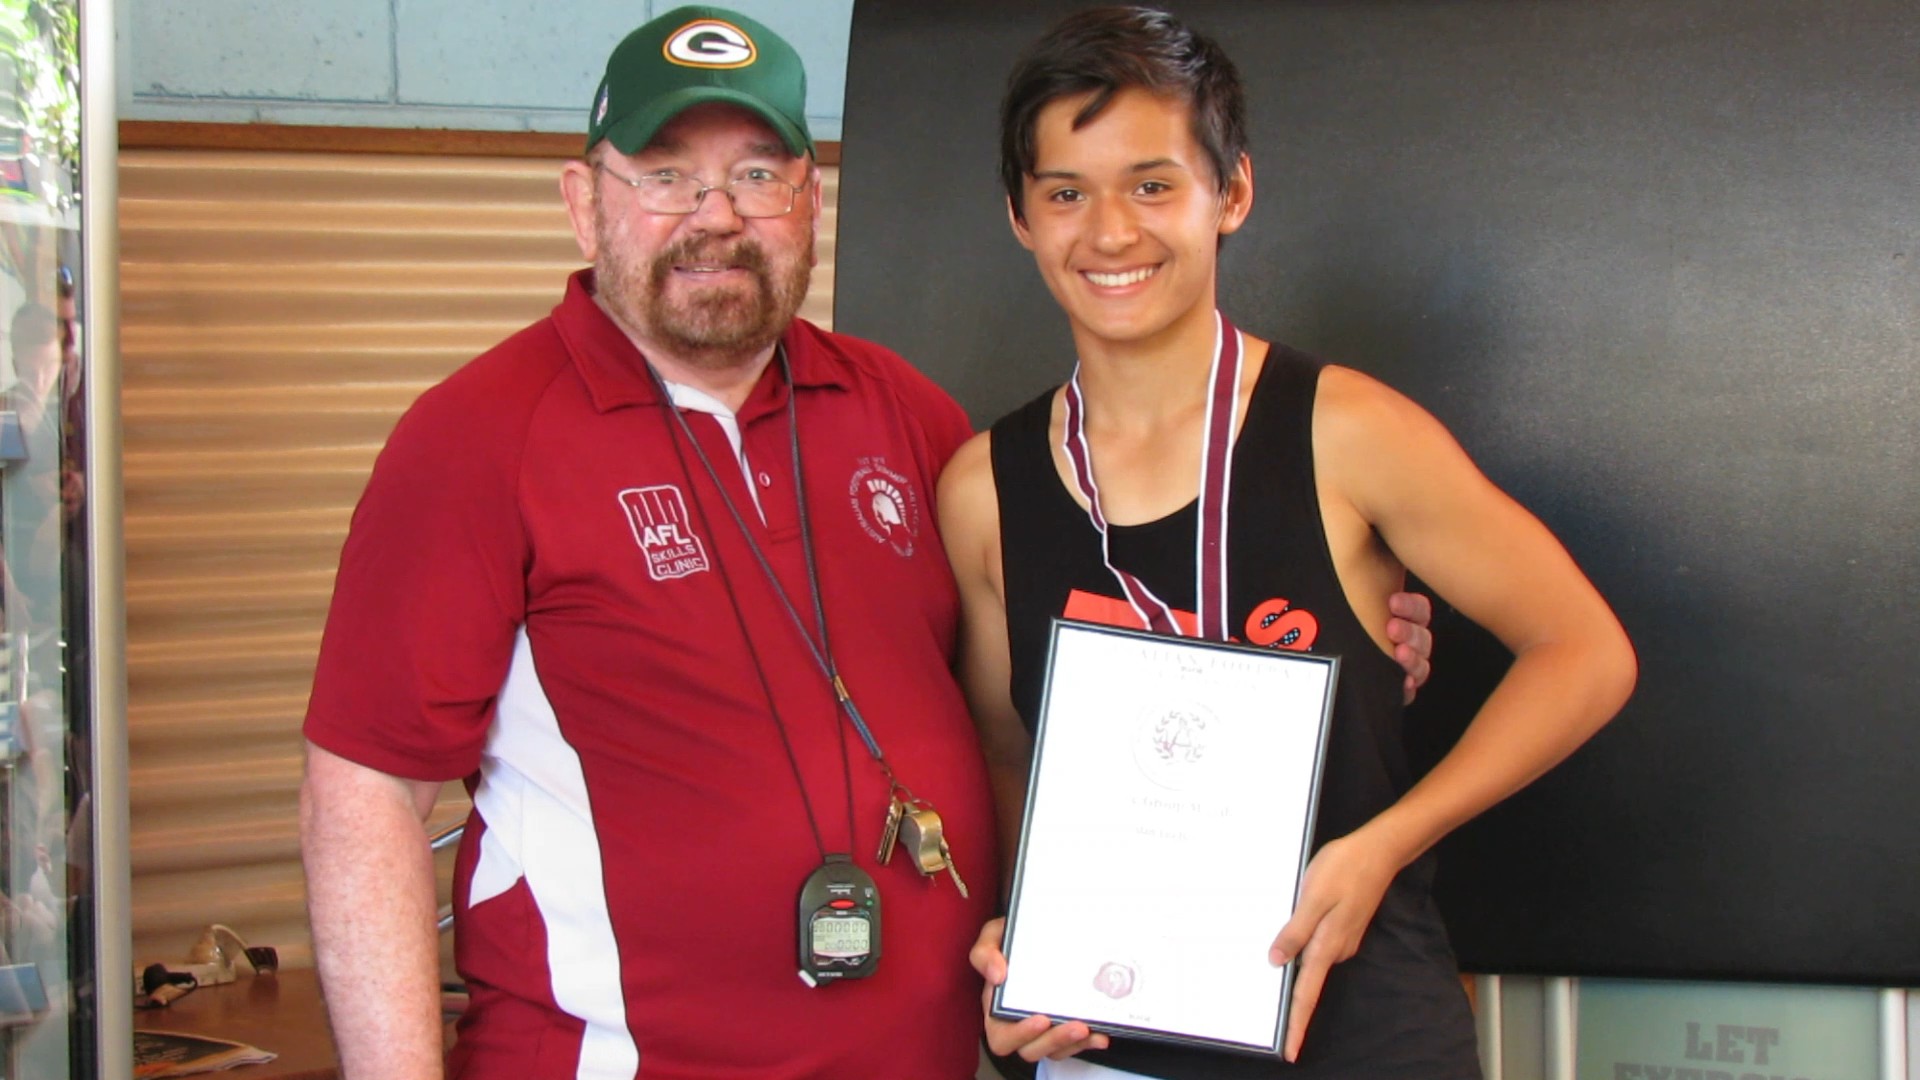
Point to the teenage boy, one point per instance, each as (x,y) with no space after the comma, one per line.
(1124,157)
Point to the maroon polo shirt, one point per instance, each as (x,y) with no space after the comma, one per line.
(544,594)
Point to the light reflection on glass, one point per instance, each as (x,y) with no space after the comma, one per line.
(45,923)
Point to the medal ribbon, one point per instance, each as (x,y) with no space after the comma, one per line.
(1216,474)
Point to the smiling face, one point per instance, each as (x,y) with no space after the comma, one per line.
(1124,217)
(708,289)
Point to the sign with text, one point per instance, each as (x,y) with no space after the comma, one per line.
(1703,1031)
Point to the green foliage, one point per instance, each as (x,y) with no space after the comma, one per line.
(40,94)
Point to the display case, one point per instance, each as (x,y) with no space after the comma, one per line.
(63,871)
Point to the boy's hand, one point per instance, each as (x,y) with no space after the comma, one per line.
(1343,888)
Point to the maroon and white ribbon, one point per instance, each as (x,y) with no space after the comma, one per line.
(1216,475)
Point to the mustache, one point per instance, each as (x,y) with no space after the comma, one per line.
(745,254)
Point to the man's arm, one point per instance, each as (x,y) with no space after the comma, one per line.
(1389,466)
(370,898)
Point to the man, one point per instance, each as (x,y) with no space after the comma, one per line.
(1123,156)
(657,578)
(546,592)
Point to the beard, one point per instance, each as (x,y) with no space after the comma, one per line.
(706,326)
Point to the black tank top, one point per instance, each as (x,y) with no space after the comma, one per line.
(1396,1009)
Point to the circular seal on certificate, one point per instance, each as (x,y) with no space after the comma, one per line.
(1174,744)
(1115,979)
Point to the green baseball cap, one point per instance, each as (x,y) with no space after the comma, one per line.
(693,55)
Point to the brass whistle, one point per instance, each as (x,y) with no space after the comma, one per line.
(921,834)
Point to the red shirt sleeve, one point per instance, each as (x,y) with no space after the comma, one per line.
(947,425)
(943,423)
(430,593)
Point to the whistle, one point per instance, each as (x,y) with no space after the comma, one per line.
(921,833)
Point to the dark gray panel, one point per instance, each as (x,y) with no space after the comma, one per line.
(1654,262)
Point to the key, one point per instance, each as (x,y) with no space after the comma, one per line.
(946,856)
(890,832)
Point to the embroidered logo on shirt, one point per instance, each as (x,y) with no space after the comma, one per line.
(884,503)
(664,532)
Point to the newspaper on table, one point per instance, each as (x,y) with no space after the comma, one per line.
(159,1054)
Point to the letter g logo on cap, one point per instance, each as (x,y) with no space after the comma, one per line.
(710,43)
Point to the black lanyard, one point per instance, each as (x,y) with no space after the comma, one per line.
(822,649)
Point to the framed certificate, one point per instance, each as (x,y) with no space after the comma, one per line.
(1169,818)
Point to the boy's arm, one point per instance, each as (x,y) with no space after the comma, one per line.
(970,529)
(1392,467)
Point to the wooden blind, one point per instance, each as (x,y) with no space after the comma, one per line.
(279,311)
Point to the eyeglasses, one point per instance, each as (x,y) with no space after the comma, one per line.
(755,194)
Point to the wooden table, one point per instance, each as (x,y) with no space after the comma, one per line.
(281,1013)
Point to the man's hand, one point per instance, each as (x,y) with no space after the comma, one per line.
(1343,888)
(1036,1036)
(1412,641)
